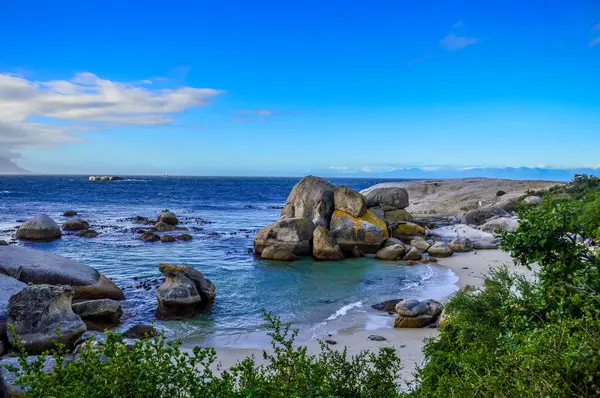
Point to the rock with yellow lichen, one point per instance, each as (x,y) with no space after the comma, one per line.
(407,231)
(368,232)
(289,235)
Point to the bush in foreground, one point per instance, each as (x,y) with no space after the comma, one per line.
(157,368)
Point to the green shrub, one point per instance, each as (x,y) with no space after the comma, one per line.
(157,368)
(520,338)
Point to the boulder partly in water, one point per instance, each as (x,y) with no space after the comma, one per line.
(325,248)
(368,232)
(75,224)
(291,235)
(40,227)
(99,314)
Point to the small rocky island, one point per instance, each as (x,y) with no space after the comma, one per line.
(105,178)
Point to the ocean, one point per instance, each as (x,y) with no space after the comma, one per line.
(222,215)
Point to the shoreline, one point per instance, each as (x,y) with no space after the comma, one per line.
(470,268)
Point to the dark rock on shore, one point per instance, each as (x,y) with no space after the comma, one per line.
(387,306)
(3,243)
(9,286)
(99,314)
(37,267)
(140,332)
(36,312)
(417,314)
(40,227)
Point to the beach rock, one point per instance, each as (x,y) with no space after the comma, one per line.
(413,254)
(440,249)
(368,232)
(177,297)
(37,267)
(184,237)
(163,227)
(378,211)
(420,244)
(168,217)
(331,342)
(349,201)
(149,237)
(167,239)
(277,254)
(204,286)
(3,243)
(9,286)
(494,225)
(417,314)
(99,314)
(140,332)
(70,213)
(484,245)
(397,216)
(311,199)
(391,253)
(532,200)
(290,235)
(480,216)
(390,198)
(433,259)
(40,227)
(461,245)
(324,246)
(87,233)
(408,230)
(509,204)
(375,337)
(357,253)
(76,224)
(36,312)
(387,306)
(392,242)
(451,232)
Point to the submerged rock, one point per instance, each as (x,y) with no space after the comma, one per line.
(37,267)
(37,311)
(325,247)
(149,237)
(278,254)
(87,233)
(311,199)
(184,237)
(99,314)
(40,227)
(290,235)
(368,232)
(76,224)
(70,213)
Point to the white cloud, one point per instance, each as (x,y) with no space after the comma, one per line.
(453,42)
(88,101)
(595,42)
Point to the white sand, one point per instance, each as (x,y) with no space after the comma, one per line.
(470,268)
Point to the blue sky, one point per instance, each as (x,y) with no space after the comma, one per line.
(298,87)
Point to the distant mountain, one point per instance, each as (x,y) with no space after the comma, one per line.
(8,167)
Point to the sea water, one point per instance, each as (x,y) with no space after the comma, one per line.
(223,215)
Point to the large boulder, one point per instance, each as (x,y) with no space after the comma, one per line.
(75,224)
(420,243)
(40,227)
(387,306)
(292,235)
(390,198)
(325,247)
(450,232)
(532,200)
(440,250)
(391,253)
(413,254)
(461,245)
(37,311)
(349,201)
(99,314)
(183,293)
(494,225)
(407,231)
(368,232)
(168,217)
(9,286)
(38,267)
(312,199)
(417,314)
(480,216)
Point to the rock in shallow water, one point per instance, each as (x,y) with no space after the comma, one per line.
(76,224)
(324,246)
(40,227)
(440,249)
(391,253)
(184,292)
(139,332)
(310,199)
(290,235)
(149,237)
(168,217)
(36,311)
(99,314)
(368,232)
(87,233)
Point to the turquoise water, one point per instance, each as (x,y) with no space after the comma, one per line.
(223,215)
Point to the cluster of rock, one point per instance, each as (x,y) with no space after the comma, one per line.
(412,313)
(39,291)
(44,228)
(105,178)
(167,221)
(331,223)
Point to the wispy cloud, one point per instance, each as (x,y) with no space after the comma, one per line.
(595,42)
(457,25)
(417,60)
(36,114)
(258,112)
(597,27)
(453,42)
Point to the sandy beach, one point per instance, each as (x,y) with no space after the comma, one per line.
(471,269)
